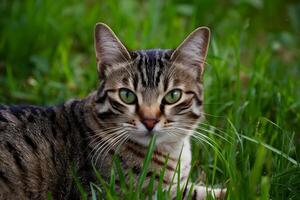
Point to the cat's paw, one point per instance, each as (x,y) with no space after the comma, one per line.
(219,193)
(200,193)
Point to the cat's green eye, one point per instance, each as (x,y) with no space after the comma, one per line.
(127,96)
(173,96)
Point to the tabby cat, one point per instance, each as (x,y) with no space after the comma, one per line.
(141,94)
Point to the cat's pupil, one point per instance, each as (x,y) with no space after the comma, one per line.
(173,95)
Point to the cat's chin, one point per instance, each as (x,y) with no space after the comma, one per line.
(144,139)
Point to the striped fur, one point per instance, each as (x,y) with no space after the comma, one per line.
(41,145)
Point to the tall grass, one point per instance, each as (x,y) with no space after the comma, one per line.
(252,79)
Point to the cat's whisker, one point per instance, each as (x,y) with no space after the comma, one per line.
(120,142)
(172,124)
(119,121)
(194,131)
(117,144)
(113,143)
(215,128)
(96,132)
(200,136)
(100,132)
(208,131)
(207,140)
(172,133)
(107,137)
(199,139)
(211,115)
(179,134)
(124,140)
(129,126)
(216,134)
(101,135)
(109,142)
(102,143)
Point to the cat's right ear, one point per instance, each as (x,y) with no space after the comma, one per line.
(109,49)
(191,53)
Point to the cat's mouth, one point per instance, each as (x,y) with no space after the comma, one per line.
(143,136)
(150,133)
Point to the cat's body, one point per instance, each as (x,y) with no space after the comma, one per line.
(39,147)
(141,93)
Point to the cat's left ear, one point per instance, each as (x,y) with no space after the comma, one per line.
(109,49)
(191,53)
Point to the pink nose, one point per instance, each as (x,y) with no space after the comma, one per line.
(149,123)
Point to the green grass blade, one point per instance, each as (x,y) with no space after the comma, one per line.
(146,164)
(78,185)
(269,147)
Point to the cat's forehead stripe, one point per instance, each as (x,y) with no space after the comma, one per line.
(150,64)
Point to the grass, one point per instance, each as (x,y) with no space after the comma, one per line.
(252,80)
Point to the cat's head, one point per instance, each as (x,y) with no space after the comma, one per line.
(150,91)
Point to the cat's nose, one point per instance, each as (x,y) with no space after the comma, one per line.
(149,123)
(149,115)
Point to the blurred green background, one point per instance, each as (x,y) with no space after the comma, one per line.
(252,79)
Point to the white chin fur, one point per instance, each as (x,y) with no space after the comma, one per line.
(144,138)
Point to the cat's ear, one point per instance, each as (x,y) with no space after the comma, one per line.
(109,49)
(192,51)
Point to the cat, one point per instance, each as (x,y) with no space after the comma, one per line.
(141,94)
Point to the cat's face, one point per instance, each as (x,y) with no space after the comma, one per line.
(150,92)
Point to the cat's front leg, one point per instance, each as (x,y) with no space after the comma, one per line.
(197,192)
(201,192)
